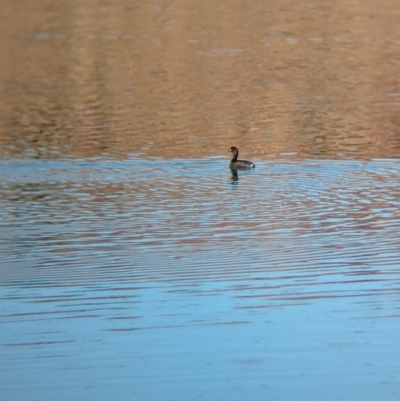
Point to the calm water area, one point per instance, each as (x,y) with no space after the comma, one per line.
(135,265)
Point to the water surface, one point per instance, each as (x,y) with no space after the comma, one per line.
(190,79)
(173,279)
(135,265)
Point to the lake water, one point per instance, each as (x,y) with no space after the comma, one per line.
(136,265)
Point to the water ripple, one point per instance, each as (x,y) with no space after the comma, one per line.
(187,223)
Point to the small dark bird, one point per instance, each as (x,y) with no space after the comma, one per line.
(235,163)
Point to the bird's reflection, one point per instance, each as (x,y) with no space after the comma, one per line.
(234,177)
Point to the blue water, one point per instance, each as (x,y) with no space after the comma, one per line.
(173,280)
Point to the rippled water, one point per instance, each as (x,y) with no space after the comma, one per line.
(190,79)
(158,279)
(135,265)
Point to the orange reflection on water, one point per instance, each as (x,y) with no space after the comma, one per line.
(191,79)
